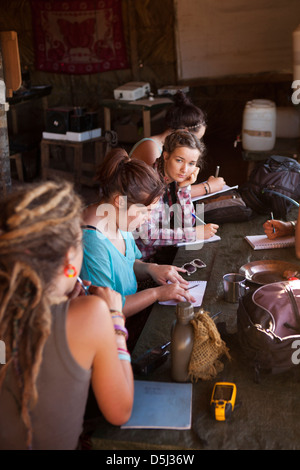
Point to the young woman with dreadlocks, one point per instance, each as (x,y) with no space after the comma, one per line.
(56,343)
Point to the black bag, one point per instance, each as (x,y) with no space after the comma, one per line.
(227,207)
(279,175)
(268,325)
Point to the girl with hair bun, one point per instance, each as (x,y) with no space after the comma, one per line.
(183,115)
(129,190)
(57,342)
(172,219)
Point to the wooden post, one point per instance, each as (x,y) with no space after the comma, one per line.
(133,41)
(5,176)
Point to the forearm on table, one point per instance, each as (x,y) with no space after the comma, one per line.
(135,303)
(141,270)
(198,189)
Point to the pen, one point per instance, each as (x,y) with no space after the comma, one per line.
(217,171)
(272,217)
(198,218)
(192,287)
(85,288)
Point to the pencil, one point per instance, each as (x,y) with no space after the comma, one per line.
(192,287)
(217,171)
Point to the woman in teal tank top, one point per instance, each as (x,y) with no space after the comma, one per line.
(129,189)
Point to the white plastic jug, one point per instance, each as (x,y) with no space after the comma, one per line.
(259,125)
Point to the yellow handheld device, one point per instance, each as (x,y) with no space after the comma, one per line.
(223,400)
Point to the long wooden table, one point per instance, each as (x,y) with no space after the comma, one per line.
(267,414)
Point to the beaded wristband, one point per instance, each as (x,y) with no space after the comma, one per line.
(123,350)
(117,316)
(124,357)
(120,330)
(117,312)
(206,192)
(208,188)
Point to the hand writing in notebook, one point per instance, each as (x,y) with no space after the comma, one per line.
(282,229)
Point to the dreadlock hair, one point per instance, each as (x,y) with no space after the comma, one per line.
(38,224)
(184,114)
(177,139)
(119,174)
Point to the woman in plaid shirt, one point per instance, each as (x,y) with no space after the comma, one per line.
(172,220)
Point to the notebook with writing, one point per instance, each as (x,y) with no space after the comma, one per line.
(262,242)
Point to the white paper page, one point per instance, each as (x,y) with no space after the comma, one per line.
(197,292)
(214,238)
(225,188)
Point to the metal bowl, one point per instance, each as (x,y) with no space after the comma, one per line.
(268,271)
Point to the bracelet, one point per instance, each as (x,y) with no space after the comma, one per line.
(117,312)
(120,330)
(293,224)
(117,316)
(124,357)
(208,187)
(206,192)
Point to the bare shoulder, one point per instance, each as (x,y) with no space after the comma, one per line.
(147,150)
(89,328)
(88,314)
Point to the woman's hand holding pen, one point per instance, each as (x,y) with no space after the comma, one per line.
(216,184)
(277,228)
(204,232)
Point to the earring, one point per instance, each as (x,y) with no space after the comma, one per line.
(70,270)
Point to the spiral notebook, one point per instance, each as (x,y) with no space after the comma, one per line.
(262,242)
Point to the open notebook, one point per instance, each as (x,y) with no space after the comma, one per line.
(262,242)
(197,290)
(161,405)
(214,238)
(204,196)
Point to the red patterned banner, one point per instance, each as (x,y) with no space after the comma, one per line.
(78,36)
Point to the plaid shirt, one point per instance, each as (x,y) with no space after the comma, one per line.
(167,227)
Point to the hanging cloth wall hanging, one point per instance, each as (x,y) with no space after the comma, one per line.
(78,37)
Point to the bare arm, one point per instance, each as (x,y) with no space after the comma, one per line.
(214,184)
(94,345)
(147,151)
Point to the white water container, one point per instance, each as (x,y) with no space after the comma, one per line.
(259,125)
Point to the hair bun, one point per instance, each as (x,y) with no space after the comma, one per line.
(181,99)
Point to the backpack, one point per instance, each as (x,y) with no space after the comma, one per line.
(273,186)
(268,327)
(228,207)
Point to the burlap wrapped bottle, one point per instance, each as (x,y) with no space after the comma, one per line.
(208,347)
